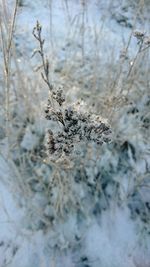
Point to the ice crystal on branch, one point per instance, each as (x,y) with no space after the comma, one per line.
(77,126)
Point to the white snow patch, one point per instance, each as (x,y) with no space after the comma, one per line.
(113,242)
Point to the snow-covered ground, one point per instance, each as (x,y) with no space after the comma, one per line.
(110,239)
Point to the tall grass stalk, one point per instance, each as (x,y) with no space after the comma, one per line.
(7,30)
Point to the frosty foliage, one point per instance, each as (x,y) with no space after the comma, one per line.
(83,182)
(97,195)
(87,181)
(91,169)
(77,126)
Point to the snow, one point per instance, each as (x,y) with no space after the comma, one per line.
(111,239)
(116,231)
(30,139)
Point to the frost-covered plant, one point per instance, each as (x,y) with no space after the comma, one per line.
(75,124)
(143,41)
(73,143)
(84,171)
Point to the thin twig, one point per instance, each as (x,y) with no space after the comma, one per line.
(37,34)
